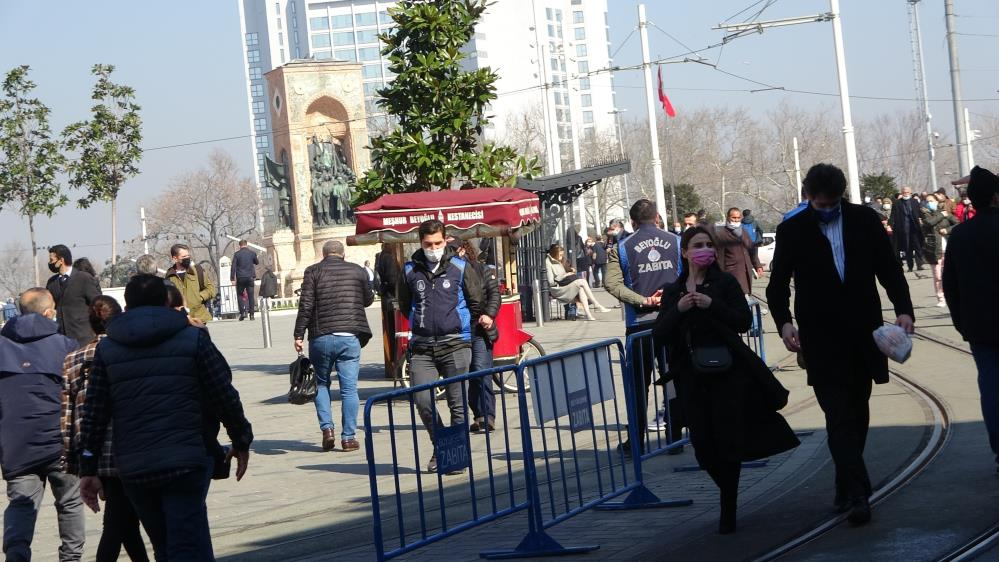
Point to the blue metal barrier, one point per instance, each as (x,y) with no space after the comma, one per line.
(427,508)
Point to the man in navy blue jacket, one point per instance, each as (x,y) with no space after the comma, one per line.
(31,356)
(438,292)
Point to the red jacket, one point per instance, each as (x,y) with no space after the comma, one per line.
(960,209)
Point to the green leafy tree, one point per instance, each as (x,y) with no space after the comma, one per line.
(106,146)
(438,105)
(687,200)
(878,185)
(30,159)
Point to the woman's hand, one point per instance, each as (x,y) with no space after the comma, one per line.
(686,302)
(701,300)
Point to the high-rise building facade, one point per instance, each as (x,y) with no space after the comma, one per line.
(550,56)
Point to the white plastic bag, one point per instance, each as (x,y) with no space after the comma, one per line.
(893,342)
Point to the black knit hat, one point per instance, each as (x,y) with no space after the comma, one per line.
(983,185)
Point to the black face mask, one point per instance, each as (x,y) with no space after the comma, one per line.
(53,267)
(186,263)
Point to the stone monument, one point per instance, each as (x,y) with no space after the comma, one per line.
(319,139)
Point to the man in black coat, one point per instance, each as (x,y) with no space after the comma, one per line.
(386,275)
(243,274)
(971,283)
(331,307)
(906,230)
(73,291)
(834,250)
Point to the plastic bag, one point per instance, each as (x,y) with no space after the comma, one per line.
(893,342)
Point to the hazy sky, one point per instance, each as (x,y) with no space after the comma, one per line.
(184,59)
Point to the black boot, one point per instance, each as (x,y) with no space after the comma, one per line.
(726,523)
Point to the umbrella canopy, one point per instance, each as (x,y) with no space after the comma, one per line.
(468,213)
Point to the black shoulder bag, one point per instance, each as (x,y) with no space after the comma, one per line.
(709,359)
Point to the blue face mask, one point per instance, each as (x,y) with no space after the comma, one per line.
(828,215)
(931,205)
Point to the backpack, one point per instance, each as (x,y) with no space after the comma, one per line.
(303,381)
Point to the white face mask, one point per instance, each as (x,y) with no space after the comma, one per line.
(735,224)
(433,256)
(967,201)
(906,197)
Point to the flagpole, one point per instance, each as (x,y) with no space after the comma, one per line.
(657,163)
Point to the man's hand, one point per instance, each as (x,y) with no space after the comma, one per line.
(90,490)
(654,299)
(299,346)
(906,322)
(789,334)
(485,321)
(242,459)
(195,322)
(686,302)
(759,272)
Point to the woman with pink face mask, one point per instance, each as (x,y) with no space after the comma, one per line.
(730,413)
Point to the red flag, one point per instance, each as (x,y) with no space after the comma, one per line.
(667,106)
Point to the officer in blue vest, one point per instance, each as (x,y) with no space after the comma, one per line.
(638,267)
(439,293)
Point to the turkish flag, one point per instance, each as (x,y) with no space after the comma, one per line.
(667,106)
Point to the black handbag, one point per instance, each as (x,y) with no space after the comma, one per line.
(709,359)
(303,381)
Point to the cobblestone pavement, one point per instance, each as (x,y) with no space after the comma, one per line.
(299,503)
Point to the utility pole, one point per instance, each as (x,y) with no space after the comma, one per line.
(574,137)
(915,34)
(797,168)
(620,147)
(657,163)
(955,89)
(740,29)
(145,241)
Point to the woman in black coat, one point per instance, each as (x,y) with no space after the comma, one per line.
(731,415)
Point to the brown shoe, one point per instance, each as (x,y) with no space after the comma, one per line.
(328,440)
(349,445)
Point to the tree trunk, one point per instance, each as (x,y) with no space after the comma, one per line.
(114,234)
(34,250)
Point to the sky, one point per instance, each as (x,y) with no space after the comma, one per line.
(184,58)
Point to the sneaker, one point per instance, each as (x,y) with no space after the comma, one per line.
(432,465)
(659,424)
(941,303)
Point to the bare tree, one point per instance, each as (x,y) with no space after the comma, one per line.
(16,269)
(201,207)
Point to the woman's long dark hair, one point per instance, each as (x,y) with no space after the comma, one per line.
(102,311)
(685,241)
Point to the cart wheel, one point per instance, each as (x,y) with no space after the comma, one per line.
(508,380)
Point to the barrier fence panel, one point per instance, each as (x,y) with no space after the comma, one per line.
(479,477)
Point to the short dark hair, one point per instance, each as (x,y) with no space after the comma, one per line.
(174,297)
(730,209)
(176,248)
(62,252)
(145,290)
(643,212)
(432,226)
(242,243)
(824,179)
(688,215)
(102,311)
(746,212)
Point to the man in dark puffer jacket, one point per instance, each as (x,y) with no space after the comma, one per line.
(157,379)
(331,306)
(31,356)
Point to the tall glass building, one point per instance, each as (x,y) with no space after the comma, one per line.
(549,55)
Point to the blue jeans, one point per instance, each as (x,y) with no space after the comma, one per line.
(344,354)
(175,516)
(987,360)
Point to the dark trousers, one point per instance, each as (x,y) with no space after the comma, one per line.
(726,476)
(121,525)
(847,409)
(909,247)
(987,360)
(175,516)
(646,356)
(599,272)
(24,500)
(245,285)
(426,366)
(481,397)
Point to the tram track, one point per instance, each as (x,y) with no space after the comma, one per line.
(940,434)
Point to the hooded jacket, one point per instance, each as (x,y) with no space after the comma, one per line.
(31,356)
(150,357)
